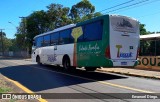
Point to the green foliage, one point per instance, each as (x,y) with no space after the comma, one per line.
(20,41)
(58,16)
(5,89)
(6,42)
(13,45)
(81,10)
(143,31)
(148,46)
(36,23)
(55,16)
(90,16)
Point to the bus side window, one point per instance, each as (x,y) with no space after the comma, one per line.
(71,39)
(55,38)
(35,41)
(93,31)
(64,36)
(47,40)
(39,42)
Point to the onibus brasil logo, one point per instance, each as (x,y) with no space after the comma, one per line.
(121,54)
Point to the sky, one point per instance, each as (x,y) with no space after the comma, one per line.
(147,12)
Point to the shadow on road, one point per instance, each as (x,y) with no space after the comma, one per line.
(39,78)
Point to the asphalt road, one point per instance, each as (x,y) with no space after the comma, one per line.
(79,85)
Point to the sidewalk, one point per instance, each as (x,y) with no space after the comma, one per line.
(133,72)
(130,71)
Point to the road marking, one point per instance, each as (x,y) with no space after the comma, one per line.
(24,88)
(101,82)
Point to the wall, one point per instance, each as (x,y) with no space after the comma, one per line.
(149,62)
(17,54)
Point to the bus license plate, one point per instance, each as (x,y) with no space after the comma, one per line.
(123,63)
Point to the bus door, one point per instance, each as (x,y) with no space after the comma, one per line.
(124,40)
(48,54)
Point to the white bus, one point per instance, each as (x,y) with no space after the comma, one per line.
(105,41)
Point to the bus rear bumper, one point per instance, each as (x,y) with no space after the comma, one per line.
(124,63)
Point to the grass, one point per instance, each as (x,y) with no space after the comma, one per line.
(5,89)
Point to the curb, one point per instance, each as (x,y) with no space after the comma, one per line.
(130,74)
(27,59)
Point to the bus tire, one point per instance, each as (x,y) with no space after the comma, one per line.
(38,60)
(66,63)
(90,68)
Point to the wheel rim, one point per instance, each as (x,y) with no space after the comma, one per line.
(66,64)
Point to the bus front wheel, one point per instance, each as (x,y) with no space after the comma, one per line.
(38,60)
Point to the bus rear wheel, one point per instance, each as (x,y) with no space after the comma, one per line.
(90,68)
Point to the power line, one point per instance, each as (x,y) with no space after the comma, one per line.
(128,6)
(142,5)
(138,5)
(117,5)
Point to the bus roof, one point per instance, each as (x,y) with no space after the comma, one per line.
(104,16)
(150,36)
(55,30)
(123,16)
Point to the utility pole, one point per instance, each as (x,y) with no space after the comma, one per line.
(24,32)
(2,46)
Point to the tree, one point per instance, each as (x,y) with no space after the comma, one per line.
(143,30)
(20,40)
(37,23)
(81,9)
(58,16)
(90,16)
(2,35)
(13,45)
(7,43)
(146,46)
(42,21)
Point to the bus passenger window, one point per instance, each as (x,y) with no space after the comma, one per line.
(71,40)
(55,38)
(47,40)
(64,36)
(39,42)
(93,31)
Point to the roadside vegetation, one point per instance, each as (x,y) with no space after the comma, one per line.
(9,87)
(4,87)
